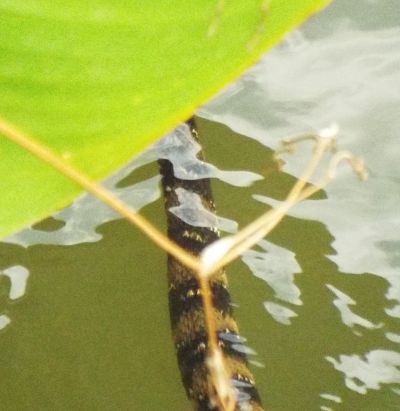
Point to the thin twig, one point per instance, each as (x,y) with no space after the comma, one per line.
(225,395)
(260,227)
(221,390)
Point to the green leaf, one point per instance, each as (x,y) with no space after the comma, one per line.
(97,81)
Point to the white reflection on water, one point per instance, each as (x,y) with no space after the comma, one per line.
(18,276)
(180,149)
(192,211)
(378,367)
(277,266)
(279,312)
(4,321)
(342,302)
(331,397)
(393,337)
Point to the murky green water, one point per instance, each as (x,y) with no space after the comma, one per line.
(83,308)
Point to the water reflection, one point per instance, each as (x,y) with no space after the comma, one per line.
(368,373)
(393,337)
(277,266)
(4,321)
(279,312)
(17,276)
(331,397)
(192,211)
(349,318)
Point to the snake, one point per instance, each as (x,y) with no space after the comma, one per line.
(185,301)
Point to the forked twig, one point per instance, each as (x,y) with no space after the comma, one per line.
(234,246)
(223,251)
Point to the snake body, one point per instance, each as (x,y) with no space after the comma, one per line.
(185,302)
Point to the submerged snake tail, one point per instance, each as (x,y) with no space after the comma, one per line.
(185,302)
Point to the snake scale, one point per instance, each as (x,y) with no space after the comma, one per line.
(185,302)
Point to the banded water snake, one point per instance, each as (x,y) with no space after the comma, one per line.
(185,301)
